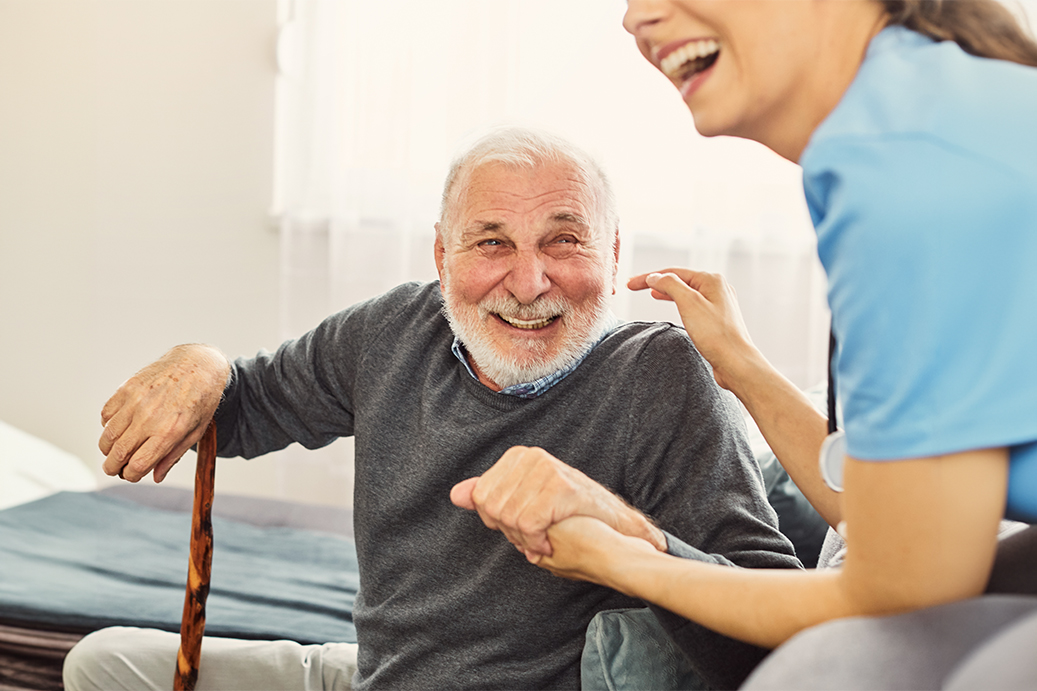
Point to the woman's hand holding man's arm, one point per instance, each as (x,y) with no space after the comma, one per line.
(913,543)
(528,490)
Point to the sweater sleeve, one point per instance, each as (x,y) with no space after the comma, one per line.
(306,390)
(698,479)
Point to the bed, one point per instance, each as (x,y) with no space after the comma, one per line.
(74,559)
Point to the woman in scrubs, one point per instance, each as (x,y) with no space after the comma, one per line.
(915,124)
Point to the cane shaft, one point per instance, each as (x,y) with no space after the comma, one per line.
(192,625)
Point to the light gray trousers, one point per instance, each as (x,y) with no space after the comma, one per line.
(130,659)
(984,643)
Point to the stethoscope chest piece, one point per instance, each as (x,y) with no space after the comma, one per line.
(832,460)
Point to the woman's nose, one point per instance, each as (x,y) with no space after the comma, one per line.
(527,278)
(643,14)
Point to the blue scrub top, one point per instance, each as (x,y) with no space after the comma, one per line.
(922,185)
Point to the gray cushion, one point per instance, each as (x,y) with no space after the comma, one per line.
(917,650)
(628,649)
(1004,661)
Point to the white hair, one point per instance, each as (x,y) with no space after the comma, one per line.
(525,148)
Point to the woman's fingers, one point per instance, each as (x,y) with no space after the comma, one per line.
(709,310)
(691,277)
(672,285)
(668,284)
(697,312)
(640,282)
(587,549)
(577,541)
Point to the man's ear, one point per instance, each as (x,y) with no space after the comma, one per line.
(440,252)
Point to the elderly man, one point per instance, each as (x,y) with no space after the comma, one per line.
(468,389)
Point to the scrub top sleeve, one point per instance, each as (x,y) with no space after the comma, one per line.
(930,252)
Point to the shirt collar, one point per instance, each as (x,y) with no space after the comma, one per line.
(536,388)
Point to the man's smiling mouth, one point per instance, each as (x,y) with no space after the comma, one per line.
(691,58)
(528,323)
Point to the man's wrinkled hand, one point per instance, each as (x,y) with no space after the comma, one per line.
(528,490)
(161,412)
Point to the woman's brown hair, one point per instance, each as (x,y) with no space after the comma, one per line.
(985,28)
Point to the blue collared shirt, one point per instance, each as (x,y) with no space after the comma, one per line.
(535,388)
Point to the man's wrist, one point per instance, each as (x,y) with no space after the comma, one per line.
(632,522)
(208,357)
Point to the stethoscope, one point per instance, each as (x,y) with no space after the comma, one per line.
(833,449)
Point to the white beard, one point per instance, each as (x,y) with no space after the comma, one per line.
(584,326)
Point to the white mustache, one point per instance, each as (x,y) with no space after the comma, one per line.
(541,308)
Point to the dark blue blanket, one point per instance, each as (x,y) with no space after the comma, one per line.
(80,561)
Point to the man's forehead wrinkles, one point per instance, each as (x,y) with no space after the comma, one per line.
(486,225)
(570,218)
(507,196)
(567,202)
(502,200)
(472,227)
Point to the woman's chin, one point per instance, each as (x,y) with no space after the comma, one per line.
(707,126)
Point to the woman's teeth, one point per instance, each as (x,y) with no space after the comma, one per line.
(528,324)
(675,65)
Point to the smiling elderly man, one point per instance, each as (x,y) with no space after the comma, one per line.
(512,355)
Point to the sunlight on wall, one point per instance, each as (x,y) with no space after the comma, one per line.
(388,121)
(375,97)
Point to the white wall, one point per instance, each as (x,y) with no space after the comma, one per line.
(136,146)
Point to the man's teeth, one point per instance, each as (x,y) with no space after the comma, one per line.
(527,323)
(672,63)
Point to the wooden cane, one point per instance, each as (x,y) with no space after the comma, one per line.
(192,625)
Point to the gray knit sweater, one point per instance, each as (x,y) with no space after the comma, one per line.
(444,602)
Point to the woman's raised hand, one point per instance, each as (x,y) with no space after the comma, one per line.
(709,310)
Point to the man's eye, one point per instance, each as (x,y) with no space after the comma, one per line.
(490,243)
(562,246)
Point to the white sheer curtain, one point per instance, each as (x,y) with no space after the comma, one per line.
(374,98)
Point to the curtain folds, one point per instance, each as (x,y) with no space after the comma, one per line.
(374,98)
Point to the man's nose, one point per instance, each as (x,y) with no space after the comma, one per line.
(643,14)
(527,277)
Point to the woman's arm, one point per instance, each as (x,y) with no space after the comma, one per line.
(921,532)
(789,422)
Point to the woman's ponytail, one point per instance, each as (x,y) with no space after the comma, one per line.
(985,28)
